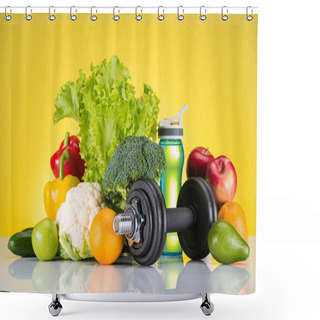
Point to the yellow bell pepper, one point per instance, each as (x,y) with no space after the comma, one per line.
(55,191)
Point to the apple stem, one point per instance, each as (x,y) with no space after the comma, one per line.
(221,166)
(206,150)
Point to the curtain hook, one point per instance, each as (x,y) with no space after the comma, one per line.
(51,13)
(249,17)
(73,16)
(116,17)
(6,15)
(203,13)
(138,16)
(93,16)
(28,15)
(160,16)
(180,14)
(224,13)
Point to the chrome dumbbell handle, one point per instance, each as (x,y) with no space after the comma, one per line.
(129,223)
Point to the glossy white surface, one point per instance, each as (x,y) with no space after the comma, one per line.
(171,278)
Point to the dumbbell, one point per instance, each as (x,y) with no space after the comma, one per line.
(146,220)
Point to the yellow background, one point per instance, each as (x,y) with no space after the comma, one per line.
(210,65)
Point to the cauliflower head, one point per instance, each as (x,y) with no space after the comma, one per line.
(74,219)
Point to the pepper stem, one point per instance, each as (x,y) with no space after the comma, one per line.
(64,157)
(66,139)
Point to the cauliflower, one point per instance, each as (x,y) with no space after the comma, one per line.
(74,219)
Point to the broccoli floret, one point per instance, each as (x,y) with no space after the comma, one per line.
(134,158)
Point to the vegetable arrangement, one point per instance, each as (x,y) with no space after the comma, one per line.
(115,129)
(95,173)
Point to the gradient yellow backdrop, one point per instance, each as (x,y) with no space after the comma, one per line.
(210,65)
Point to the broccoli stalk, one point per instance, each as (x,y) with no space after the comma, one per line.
(134,158)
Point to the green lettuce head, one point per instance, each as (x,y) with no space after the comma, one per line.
(107,110)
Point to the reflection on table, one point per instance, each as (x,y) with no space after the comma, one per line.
(170,275)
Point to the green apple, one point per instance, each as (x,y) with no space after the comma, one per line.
(45,239)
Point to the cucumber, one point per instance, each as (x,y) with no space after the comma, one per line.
(20,243)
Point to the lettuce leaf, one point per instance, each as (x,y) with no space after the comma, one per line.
(107,110)
(69,99)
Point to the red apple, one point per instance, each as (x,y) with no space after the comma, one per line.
(222,178)
(197,162)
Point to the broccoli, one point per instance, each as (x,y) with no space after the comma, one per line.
(134,158)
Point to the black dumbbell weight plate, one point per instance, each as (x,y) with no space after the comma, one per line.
(197,195)
(154,228)
(161,217)
(140,249)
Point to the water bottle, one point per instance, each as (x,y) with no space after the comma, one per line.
(170,133)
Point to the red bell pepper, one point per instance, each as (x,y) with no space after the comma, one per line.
(75,165)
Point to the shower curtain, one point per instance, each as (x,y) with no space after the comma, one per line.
(86,85)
